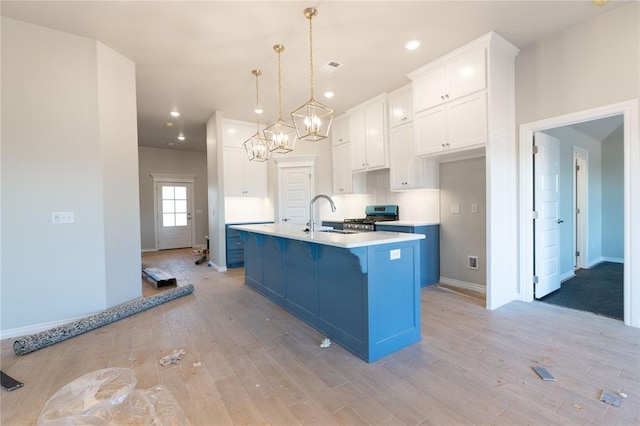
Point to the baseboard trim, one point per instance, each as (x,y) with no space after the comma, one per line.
(217,267)
(36,328)
(463,284)
(149,250)
(603,259)
(567,276)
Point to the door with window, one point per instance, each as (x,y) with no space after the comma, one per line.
(174,205)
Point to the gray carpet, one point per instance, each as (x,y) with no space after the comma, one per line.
(598,290)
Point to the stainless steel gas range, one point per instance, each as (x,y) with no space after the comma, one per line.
(378,213)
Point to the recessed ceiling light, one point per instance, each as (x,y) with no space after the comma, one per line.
(171,143)
(181,138)
(412,45)
(258,110)
(175,114)
(169,124)
(329,94)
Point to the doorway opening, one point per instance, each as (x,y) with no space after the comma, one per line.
(586,200)
(173,208)
(600,221)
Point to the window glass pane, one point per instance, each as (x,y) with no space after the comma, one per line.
(168,220)
(181,219)
(181,192)
(167,192)
(168,206)
(181,206)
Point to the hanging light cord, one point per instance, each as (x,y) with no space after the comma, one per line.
(257,74)
(279,88)
(311,52)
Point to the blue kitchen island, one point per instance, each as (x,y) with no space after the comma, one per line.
(362,290)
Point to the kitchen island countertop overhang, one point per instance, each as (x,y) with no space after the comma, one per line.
(326,237)
(361,290)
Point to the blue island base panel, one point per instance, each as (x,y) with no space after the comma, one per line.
(366,299)
(33,342)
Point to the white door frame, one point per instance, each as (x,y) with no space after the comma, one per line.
(167,178)
(581,202)
(629,110)
(288,162)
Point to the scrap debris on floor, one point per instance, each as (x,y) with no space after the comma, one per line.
(173,358)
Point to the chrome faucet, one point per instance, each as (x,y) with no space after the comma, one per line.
(312,224)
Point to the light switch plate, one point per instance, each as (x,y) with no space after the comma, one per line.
(62,217)
(474,208)
(455,208)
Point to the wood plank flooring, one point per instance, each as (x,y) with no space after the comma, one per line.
(261,366)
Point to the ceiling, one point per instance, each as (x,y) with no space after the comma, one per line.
(197,57)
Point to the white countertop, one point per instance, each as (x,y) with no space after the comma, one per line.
(359,239)
(407,223)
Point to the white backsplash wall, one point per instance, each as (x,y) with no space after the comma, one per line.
(414,205)
(247,209)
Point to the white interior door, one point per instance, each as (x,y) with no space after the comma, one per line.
(295,194)
(174,215)
(546,204)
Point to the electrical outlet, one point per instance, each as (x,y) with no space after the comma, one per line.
(474,208)
(62,217)
(394,254)
(472,262)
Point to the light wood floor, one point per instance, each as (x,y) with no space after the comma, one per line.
(262,366)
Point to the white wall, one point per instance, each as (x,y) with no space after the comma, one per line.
(118,142)
(586,66)
(168,161)
(52,161)
(613,197)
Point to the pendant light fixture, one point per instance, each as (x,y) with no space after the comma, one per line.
(281,136)
(256,146)
(312,120)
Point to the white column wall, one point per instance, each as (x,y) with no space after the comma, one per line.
(53,160)
(118,132)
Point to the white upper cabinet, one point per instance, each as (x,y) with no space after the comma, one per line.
(401,106)
(369,135)
(242,178)
(340,130)
(457,102)
(462,74)
(342,179)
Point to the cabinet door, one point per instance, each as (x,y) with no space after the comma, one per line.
(430,131)
(429,89)
(400,108)
(340,130)
(466,74)
(234,159)
(255,177)
(357,132)
(398,156)
(467,121)
(375,140)
(342,180)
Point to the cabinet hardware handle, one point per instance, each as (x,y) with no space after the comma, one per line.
(442,97)
(446,96)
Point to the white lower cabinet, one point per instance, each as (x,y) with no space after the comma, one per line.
(455,125)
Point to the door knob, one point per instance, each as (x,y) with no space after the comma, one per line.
(559,221)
